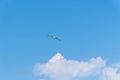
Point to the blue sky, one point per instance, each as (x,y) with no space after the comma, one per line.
(88,28)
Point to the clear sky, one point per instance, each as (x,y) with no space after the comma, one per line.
(88,28)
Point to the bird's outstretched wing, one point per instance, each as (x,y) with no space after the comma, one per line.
(57,38)
(54,37)
(50,36)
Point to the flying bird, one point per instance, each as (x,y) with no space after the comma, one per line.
(54,37)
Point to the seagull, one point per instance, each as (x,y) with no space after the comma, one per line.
(54,37)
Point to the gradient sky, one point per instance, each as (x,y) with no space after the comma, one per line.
(88,28)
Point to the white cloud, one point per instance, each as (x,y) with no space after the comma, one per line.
(59,68)
(111,73)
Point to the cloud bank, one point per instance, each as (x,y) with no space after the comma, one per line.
(59,68)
